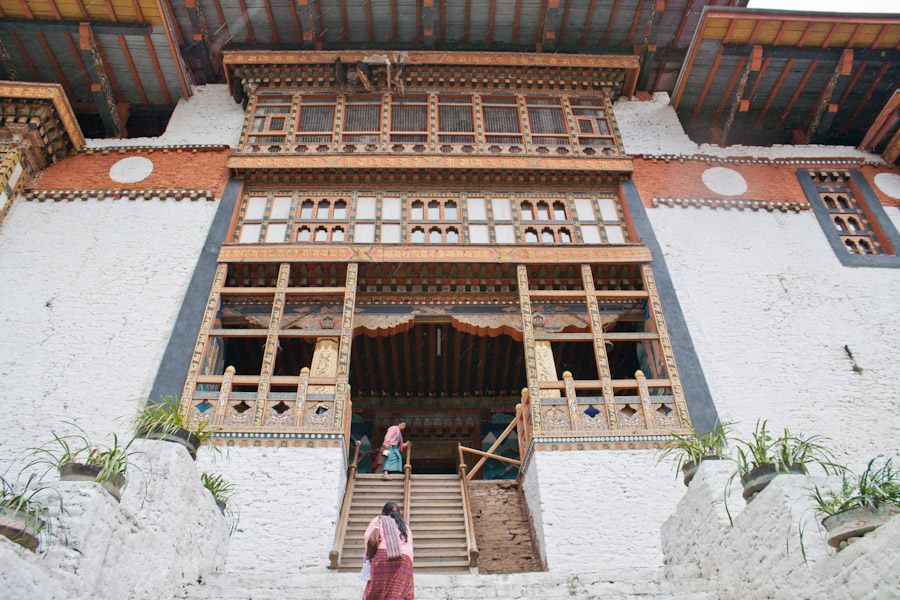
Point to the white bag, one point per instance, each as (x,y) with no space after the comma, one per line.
(386,452)
(366,573)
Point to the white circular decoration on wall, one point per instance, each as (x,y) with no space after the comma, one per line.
(726,182)
(889,183)
(131,169)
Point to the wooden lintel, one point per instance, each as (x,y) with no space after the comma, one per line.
(101,90)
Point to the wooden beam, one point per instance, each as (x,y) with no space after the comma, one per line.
(634,23)
(428,24)
(705,90)
(881,123)
(681,84)
(752,70)
(516,15)
(369,21)
(892,150)
(273,32)
(200,35)
(843,68)
(223,23)
(431,351)
(320,21)
(9,67)
(565,21)
(76,54)
(740,71)
(251,39)
(648,45)
(467,11)
(60,74)
(156,67)
(113,125)
(55,27)
(168,17)
(394,20)
(681,24)
(407,363)
(587,23)
(345,22)
(444,346)
(784,73)
(457,355)
(482,359)
(852,84)
(787,110)
(304,11)
(611,24)
(492,10)
(421,374)
(879,75)
(467,365)
(443,22)
(35,76)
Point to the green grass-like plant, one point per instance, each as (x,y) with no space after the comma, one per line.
(113,459)
(878,484)
(220,489)
(37,516)
(164,417)
(692,447)
(763,448)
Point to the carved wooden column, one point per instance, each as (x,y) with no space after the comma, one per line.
(571,399)
(531,370)
(609,397)
(643,390)
(300,404)
(666,343)
(546,367)
(209,314)
(271,348)
(222,404)
(342,388)
(324,363)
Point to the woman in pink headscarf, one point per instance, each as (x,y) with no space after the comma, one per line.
(389,545)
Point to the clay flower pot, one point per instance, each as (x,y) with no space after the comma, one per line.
(849,525)
(755,480)
(689,469)
(20,527)
(79,472)
(177,436)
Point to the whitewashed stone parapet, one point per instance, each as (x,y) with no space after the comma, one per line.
(761,555)
(166,532)
(289,501)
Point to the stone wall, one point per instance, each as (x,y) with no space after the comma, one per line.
(763,554)
(165,533)
(289,500)
(502,528)
(91,291)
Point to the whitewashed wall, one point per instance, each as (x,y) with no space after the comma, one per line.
(90,291)
(288,499)
(770,309)
(600,509)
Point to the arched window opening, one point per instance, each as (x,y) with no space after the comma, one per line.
(452,236)
(559,211)
(324,209)
(564,236)
(434,236)
(851,247)
(842,202)
(865,247)
(340,210)
(321,234)
(337,235)
(829,202)
(547,236)
(417,212)
(303,235)
(306,210)
(450,212)
(526,211)
(418,236)
(854,224)
(543,211)
(434,211)
(531,236)
(839,224)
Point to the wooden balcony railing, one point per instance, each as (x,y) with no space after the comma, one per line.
(471,544)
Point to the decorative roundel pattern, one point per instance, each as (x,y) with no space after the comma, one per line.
(131,169)
(889,183)
(726,182)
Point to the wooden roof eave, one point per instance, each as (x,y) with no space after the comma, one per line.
(53,93)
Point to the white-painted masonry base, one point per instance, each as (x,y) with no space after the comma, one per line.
(600,508)
(289,500)
(166,532)
(90,294)
(761,555)
(770,310)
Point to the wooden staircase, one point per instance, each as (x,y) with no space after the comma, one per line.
(435,515)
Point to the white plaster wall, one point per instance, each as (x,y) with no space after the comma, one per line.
(770,309)
(531,488)
(209,116)
(89,295)
(602,509)
(165,533)
(652,127)
(289,501)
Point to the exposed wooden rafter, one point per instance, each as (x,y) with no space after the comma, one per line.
(304,11)
(819,119)
(201,41)
(113,123)
(428,24)
(752,71)
(648,45)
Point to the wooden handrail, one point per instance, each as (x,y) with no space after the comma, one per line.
(490,452)
(335,554)
(471,544)
(489,455)
(407,475)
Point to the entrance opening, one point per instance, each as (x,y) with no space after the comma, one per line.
(451,387)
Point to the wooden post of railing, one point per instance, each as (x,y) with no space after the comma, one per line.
(520,430)
(407,475)
(493,447)
(571,400)
(526,407)
(339,534)
(224,393)
(649,421)
(471,544)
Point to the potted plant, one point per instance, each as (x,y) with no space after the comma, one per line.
(162,420)
(83,461)
(22,517)
(762,457)
(220,489)
(862,504)
(688,451)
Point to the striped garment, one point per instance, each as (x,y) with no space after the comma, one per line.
(392,578)
(391,535)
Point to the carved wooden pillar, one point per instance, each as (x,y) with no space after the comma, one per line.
(546,367)
(609,397)
(209,314)
(222,404)
(300,404)
(531,370)
(271,348)
(649,421)
(571,400)
(342,388)
(324,364)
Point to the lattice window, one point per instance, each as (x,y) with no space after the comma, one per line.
(592,122)
(456,121)
(362,120)
(409,119)
(609,228)
(502,124)
(268,124)
(547,121)
(315,120)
